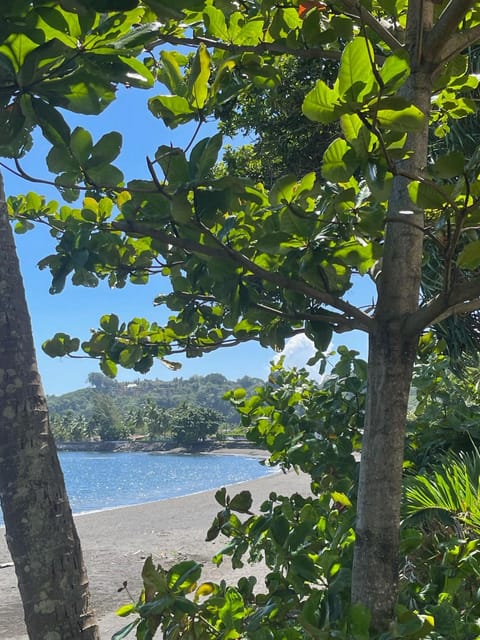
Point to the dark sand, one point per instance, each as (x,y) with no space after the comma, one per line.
(116,542)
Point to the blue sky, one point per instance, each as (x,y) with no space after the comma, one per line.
(77,309)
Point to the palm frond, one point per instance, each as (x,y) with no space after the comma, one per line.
(449,494)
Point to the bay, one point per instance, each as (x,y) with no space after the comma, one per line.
(97,481)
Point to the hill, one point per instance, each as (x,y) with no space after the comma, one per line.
(198,391)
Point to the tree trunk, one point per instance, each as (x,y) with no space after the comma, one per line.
(40,531)
(390,364)
(375,571)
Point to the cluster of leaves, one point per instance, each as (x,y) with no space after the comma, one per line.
(249,263)
(448,402)
(245,263)
(314,428)
(285,141)
(307,542)
(59,57)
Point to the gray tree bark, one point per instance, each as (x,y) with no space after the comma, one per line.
(40,530)
(390,364)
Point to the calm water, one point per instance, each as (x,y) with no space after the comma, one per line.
(105,480)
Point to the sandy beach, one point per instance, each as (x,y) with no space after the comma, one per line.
(116,542)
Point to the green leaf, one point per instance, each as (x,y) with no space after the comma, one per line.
(199,77)
(60,345)
(106,149)
(215,23)
(220,496)
(396,114)
(181,209)
(184,575)
(60,159)
(322,104)
(280,529)
(123,633)
(341,498)
(469,257)
(242,502)
(204,156)
(129,356)
(304,567)
(174,164)
(108,367)
(356,80)
(166,9)
(154,579)
(360,618)
(173,110)
(53,18)
(283,190)
(110,323)
(86,92)
(131,72)
(320,333)
(104,176)
(125,610)
(81,144)
(424,196)
(379,180)
(395,71)
(450,165)
(52,123)
(339,161)
(170,73)
(15,136)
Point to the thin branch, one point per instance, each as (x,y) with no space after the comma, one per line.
(356,318)
(460,217)
(262,47)
(457,43)
(430,183)
(323,316)
(21,173)
(439,39)
(156,181)
(335,302)
(464,298)
(366,17)
(195,134)
(272,48)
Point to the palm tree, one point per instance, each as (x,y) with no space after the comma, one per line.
(40,531)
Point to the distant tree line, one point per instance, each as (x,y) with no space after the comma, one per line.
(184,411)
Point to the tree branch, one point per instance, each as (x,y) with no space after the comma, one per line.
(341,323)
(262,47)
(457,43)
(352,316)
(367,18)
(464,298)
(439,39)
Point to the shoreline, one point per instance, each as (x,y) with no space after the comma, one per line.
(132,446)
(257,454)
(115,543)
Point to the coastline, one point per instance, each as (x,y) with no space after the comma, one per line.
(115,543)
(232,446)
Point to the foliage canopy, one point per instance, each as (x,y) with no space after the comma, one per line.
(247,262)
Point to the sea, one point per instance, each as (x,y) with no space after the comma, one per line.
(97,481)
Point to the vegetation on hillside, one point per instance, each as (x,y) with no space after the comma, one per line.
(112,410)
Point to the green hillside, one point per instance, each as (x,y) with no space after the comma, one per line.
(205,391)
